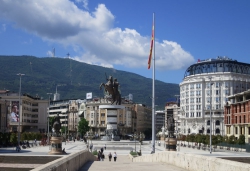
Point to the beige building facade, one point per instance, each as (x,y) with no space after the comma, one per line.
(31,112)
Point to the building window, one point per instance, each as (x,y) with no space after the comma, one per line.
(217,122)
(198,100)
(208,131)
(217,92)
(208,122)
(198,85)
(198,93)
(192,100)
(191,86)
(217,84)
(236,130)
(217,131)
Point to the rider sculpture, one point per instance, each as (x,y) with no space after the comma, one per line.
(112,88)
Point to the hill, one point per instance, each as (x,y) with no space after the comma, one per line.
(43,74)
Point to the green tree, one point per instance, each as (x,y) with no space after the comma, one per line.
(24,136)
(83,126)
(64,129)
(192,138)
(13,138)
(241,140)
(214,140)
(198,139)
(219,139)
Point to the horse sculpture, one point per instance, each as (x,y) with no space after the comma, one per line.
(112,88)
(170,127)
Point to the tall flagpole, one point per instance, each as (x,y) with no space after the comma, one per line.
(153,92)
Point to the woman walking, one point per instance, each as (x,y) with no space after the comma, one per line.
(115,156)
(110,156)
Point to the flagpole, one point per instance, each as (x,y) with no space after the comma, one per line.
(153,92)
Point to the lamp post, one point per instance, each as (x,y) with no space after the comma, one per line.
(210,138)
(20,110)
(135,140)
(48,116)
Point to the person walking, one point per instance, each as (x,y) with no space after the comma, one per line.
(110,156)
(105,147)
(102,150)
(115,156)
(99,155)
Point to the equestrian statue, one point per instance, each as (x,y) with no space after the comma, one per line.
(112,88)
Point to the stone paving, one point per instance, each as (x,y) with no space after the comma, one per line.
(122,148)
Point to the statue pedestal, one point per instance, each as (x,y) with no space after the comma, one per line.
(171,144)
(56,145)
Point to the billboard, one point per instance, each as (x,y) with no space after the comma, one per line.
(14,114)
(89,95)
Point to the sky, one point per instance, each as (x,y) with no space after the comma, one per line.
(117,33)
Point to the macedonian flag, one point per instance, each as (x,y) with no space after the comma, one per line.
(151,48)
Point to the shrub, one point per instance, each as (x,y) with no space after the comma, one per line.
(133,153)
(94,152)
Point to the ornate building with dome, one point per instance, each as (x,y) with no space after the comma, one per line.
(204,91)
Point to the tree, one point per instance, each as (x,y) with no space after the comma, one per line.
(241,140)
(83,126)
(64,129)
(13,138)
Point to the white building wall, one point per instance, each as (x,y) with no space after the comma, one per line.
(197,86)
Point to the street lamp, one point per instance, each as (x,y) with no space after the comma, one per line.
(135,135)
(48,116)
(210,138)
(142,136)
(20,110)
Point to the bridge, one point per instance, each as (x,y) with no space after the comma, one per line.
(80,159)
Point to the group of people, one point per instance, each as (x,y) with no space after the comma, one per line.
(101,155)
(114,155)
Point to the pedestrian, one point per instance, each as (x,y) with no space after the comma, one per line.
(105,147)
(115,156)
(99,156)
(102,150)
(103,157)
(91,146)
(110,156)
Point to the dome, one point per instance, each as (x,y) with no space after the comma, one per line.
(221,64)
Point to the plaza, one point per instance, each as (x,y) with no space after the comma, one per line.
(122,148)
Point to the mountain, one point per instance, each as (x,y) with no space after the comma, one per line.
(42,75)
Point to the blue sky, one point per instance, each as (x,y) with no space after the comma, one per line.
(117,33)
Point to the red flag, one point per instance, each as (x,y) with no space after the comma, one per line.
(151,48)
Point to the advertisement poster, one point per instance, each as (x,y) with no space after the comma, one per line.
(14,114)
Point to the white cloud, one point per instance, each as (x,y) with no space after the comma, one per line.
(3,27)
(49,53)
(85,3)
(61,21)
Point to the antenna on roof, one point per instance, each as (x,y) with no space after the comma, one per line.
(53,52)
(70,69)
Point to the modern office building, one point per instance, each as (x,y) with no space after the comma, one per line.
(204,91)
(237,115)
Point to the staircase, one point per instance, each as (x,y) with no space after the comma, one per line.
(123,163)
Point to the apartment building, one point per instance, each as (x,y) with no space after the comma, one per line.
(30,111)
(237,115)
